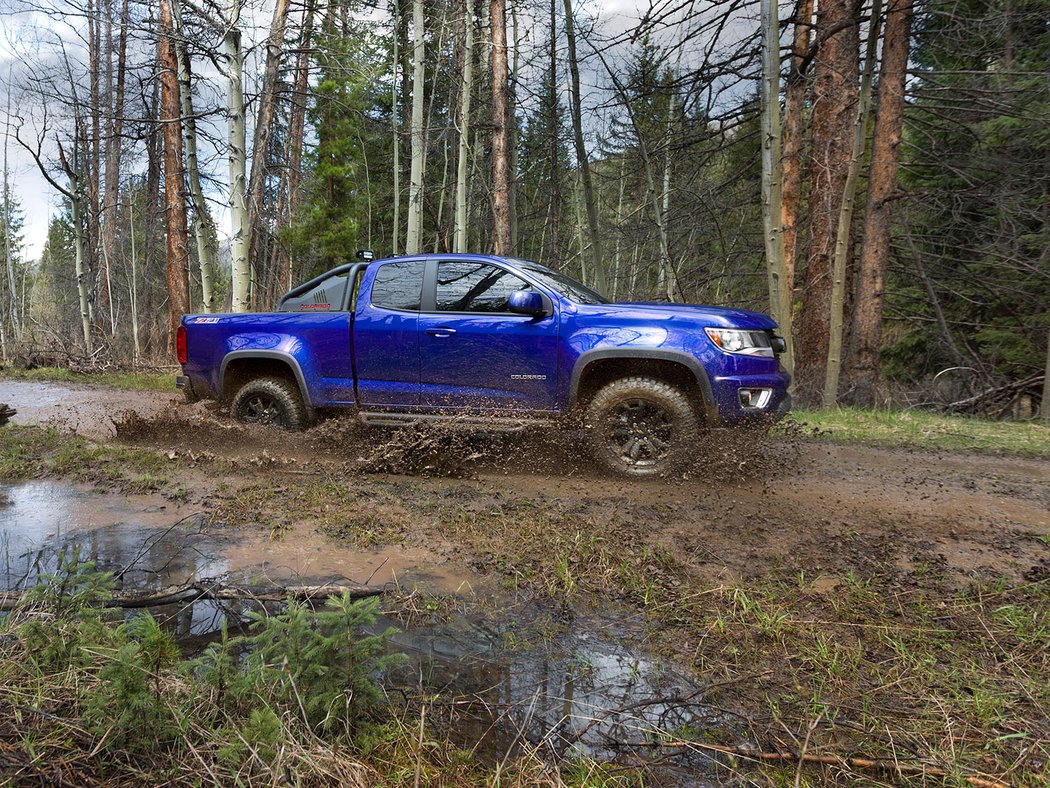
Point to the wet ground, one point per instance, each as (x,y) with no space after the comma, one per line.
(516,678)
(482,532)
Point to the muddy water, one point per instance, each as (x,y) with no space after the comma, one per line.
(86,410)
(576,691)
(507,680)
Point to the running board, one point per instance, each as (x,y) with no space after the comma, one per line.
(454,420)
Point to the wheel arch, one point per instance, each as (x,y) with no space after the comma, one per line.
(239,366)
(595,368)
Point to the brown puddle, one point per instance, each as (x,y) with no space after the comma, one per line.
(154,543)
(521,677)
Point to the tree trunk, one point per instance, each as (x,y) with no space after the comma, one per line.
(178,257)
(553,147)
(465,91)
(395,118)
(834,107)
(242,272)
(667,273)
(263,126)
(794,141)
(133,288)
(77,217)
(500,160)
(414,235)
(203,226)
(1044,407)
(296,127)
(777,276)
(92,162)
(598,276)
(845,223)
(113,145)
(512,120)
(885,156)
(8,258)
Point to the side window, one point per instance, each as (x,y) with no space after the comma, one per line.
(398,285)
(475,287)
(325,297)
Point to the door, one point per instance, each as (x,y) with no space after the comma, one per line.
(477,355)
(385,335)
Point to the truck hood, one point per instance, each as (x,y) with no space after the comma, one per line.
(703,315)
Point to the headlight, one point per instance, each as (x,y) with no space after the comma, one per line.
(745,343)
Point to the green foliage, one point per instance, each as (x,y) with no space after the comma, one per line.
(69,626)
(976,166)
(319,662)
(129,704)
(299,674)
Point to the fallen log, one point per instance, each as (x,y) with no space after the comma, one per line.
(193,592)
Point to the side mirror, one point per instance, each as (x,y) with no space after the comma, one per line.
(528,302)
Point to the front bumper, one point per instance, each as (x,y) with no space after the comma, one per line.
(769,392)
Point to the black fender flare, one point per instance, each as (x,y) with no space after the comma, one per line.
(689,362)
(275,355)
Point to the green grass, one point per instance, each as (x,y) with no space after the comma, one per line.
(132,381)
(919,429)
(46,453)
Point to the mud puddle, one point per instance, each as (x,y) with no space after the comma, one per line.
(84,410)
(500,682)
(504,684)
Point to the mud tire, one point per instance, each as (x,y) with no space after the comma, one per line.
(657,416)
(275,401)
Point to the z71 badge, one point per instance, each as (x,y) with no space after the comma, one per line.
(206,320)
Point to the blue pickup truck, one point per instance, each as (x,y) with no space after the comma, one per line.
(496,342)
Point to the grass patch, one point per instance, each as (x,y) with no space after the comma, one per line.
(45,452)
(922,430)
(131,381)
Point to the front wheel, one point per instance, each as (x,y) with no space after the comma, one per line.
(642,427)
(275,401)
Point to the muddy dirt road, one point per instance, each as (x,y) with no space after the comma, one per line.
(897,598)
(785,507)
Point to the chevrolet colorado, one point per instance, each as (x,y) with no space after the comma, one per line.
(496,342)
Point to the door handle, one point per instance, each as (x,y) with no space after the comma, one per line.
(441,332)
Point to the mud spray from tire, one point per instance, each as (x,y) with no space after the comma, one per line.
(453,448)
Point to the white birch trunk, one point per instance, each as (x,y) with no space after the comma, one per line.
(772,178)
(203,226)
(77,210)
(413,239)
(666,270)
(242,270)
(134,289)
(460,244)
(8,259)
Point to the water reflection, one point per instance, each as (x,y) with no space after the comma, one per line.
(580,693)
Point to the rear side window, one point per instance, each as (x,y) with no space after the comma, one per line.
(329,296)
(475,287)
(399,285)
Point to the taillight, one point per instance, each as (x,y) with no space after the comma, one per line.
(180,345)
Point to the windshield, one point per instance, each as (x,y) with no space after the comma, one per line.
(566,285)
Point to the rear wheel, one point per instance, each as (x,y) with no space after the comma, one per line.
(642,427)
(275,401)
